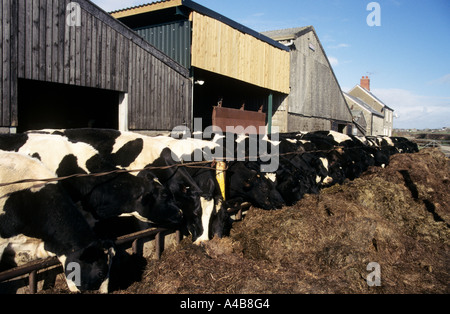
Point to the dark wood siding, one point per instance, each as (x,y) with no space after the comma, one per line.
(52,51)
(8,62)
(38,44)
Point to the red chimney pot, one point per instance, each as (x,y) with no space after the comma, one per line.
(365,83)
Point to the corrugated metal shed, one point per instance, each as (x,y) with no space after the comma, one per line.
(174,39)
(228,61)
(219,44)
(191,5)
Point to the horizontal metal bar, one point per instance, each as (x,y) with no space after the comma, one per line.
(28,268)
(53,261)
(138,235)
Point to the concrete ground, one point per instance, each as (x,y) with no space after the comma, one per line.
(446,150)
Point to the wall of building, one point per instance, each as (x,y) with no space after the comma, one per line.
(280,113)
(360,127)
(388,122)
(377,125)
(8,64)
(388,119)
(367,115)
(78,44)
(315,91)
(361,94)
(173,38)
(221,49)
(298,123)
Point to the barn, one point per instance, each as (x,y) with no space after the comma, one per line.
(315,101)
(232,67)
(157,66)
(70,64)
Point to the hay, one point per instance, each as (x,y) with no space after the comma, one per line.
(398,217)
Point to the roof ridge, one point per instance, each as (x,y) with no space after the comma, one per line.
(375,97)
(362,103)
(289,28)
(139,6)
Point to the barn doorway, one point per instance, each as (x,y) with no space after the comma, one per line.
(210,88)
(58,106)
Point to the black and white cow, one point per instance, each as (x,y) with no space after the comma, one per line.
(39,220)
(403,145)
(215,219)
(321,159)
(354,155)
(313,170)
(103,197)
(247,184)
(245,176)
(345,161)
(134,151)
(395,145)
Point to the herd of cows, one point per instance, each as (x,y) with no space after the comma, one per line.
(76,218)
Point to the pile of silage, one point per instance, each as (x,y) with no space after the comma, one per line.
(397,217)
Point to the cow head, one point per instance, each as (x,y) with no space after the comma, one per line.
(276,198)
(221,222)
(159,203)
(289,186)
(252,186)
(188,195)
(214,216)
(216,221)
(88,269)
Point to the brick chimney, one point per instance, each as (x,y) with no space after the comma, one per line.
(365,83)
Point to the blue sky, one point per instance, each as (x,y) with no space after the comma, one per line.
(407,57)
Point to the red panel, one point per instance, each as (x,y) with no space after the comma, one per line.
(223,117)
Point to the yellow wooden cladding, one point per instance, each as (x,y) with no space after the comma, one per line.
(221,49)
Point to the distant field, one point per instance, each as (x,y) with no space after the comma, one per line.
(439,139)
